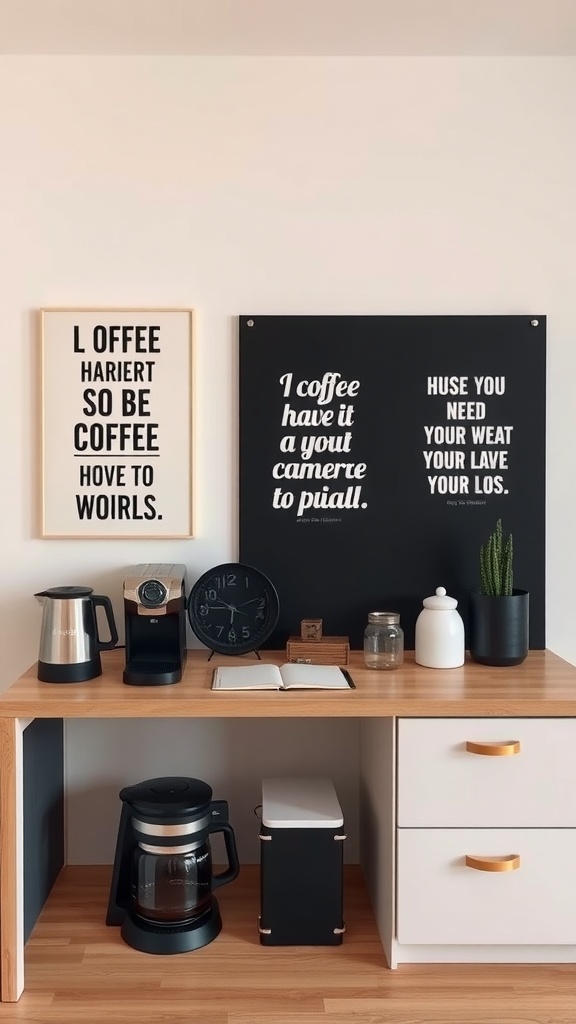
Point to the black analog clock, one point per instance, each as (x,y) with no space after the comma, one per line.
(233,608)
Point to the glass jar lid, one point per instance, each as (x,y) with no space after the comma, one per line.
(383,618)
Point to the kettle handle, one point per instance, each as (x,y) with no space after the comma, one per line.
(106,603)
(231,852)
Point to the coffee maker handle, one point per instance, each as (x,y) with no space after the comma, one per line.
(106,603)
(231,852)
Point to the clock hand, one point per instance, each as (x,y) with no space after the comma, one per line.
(235,611)
(223,605)
(251,601)
(232,607)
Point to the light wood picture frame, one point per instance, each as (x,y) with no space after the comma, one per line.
(116,423)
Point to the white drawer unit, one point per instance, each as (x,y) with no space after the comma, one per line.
(443,899)
(486,773)
(485,866)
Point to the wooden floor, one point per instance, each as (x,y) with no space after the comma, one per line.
(78,970)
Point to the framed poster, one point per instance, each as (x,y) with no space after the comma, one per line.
(116,423)
(377,454)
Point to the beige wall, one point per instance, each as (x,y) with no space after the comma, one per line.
(262,185)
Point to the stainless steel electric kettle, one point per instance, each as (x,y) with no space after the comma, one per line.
(69,642)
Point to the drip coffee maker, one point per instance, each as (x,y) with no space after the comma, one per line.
(162,883)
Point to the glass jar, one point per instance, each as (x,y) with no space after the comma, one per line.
(383,641)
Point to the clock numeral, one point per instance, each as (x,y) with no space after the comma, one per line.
(227,580)
(245,633)
(211,594)
(203,609)
(232,635)
(219,630)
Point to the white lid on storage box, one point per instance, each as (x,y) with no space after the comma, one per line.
(300,803)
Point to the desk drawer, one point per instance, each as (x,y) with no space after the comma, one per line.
(442,900)
(443,783)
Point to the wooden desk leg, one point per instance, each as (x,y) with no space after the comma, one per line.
(11,860)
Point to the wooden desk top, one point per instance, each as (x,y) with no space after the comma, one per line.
(543,685)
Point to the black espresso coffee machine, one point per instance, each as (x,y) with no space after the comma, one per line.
(155,620)
(162,883)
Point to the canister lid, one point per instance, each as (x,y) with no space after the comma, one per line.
(300,803)
(440,601)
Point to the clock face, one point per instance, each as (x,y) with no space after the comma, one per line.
(233,608)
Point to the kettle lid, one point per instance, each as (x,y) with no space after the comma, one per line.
(64,593)
(440,602)
(168,796)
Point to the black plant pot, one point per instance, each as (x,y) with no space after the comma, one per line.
(498,632)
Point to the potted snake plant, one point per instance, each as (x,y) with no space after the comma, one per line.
(499,613)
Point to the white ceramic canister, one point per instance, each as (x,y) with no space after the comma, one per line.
(439,639)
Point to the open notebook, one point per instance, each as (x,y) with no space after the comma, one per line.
(284,677)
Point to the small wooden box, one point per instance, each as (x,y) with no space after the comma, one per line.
(330,650)
(311,629)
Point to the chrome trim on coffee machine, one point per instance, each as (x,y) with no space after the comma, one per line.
(153,586)
(146,828)
(171,851)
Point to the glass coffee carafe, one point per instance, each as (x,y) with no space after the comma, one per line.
(163,883)
(172,884)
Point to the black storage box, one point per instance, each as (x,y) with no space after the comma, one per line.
(301,863)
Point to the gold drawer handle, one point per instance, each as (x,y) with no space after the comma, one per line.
(493,749)
(509,863)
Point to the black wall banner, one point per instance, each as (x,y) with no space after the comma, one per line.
(378,452)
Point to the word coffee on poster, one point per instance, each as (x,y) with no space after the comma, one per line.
(116,423)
